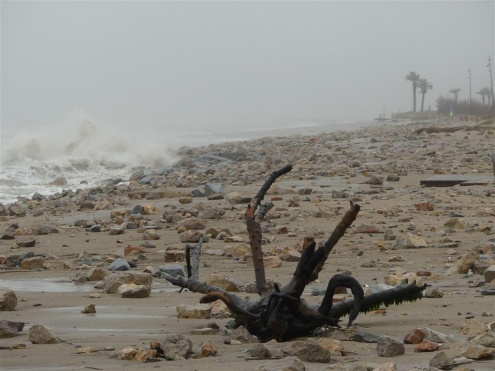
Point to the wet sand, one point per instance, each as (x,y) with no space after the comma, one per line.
(51,298)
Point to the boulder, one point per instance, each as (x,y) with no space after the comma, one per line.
(39,334)
(8,300)
(10,329)
(131,290)
(113,281)
(389,347)
(176,347)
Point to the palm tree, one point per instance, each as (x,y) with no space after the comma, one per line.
(485,92)
(414,78)
(455,91)
(424,86)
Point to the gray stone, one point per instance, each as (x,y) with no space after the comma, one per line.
(172,269)
(284,364)
(8,300)
(119,264)
(10,329)
(39,334)
(137,209)
(364,337)
(212,188)
(308,351)
(388,347)
(176,347)
(242,334)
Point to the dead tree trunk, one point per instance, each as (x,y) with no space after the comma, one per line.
(282,314)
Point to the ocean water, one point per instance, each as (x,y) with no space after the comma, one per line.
(86,155)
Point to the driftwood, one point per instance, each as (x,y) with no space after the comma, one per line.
(280,313)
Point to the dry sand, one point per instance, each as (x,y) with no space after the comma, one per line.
(49,297)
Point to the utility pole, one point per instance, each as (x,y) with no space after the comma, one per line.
(470,101)
(489,65)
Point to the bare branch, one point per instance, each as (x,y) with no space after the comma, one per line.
(253,223)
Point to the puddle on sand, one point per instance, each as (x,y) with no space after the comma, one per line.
(62,285)
(44,285)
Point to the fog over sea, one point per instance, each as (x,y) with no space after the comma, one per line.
(86,154)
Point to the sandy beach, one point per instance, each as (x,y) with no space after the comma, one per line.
(379,167)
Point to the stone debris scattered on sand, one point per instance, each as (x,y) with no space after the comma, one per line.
(150,218)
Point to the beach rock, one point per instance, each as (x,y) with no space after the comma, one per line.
(39,334)
(416,336)
(200,311)
(126,354)
(10,329)
(489,273)
(454,223)
(33,263)
(242,335)
(374,180)
(433,293)
(410,241)
(96,274)
(26,242)
(284,364)
(192,236)
(207,349)
(9,234)
(464,264)
(219,310)
(426,346)
(364,337)
(308,351)
(389,347)
(473,327)
(113,281)
(133,250)
(222,282)
(8,300)
(259,351)
(333,346)
(437,336)
(389,366)
(88,309)
(144,355)
(237,250)
(214,188)
(176,347)
(214,213)
(151,235)
(174,256)
(471,351)
(237,198)
(192,223)
(486,339)
(172,269)
(131,290)
(119,264)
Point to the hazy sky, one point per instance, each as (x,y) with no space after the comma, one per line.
(181,64)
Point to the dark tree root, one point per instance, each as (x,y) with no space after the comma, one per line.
(281,314)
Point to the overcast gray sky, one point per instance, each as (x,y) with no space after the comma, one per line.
(171,65)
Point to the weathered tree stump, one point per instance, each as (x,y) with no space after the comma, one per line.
(281,314)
